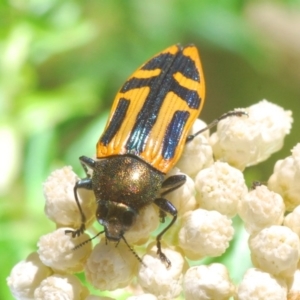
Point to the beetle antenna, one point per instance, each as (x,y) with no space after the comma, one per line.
(87,241)
(134,253)
(237,113)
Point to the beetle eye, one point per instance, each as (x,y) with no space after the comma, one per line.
(102,211)
(128,218)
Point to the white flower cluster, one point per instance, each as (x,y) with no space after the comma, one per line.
(215,192)
(246,142)
(285,179)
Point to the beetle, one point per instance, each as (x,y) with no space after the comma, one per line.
(143,139)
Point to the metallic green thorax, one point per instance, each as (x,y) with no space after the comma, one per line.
(127,180)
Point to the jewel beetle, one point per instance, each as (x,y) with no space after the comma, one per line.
(143,139)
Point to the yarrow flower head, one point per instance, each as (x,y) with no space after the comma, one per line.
(260,208)
(245,142)
(214,193)
(257,284)
(285,179)
(276,250)
(208,282)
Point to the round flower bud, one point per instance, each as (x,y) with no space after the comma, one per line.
(183,198)
(61,287)
(220,187)
(294,286)
(205,233)
(261,208)
(275,250)
(292,220)
(155,278)
(26,276)
(260,285)
(56,250)
(146,221)
(60,205)
(208,282)
(246,141)
(197,153)
(286,177)
(111,266)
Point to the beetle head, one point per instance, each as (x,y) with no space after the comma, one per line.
(116,218)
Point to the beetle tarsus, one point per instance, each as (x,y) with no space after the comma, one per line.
(162,216)
(78,232)
(163,256)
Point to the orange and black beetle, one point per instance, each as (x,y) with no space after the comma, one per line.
(143,139)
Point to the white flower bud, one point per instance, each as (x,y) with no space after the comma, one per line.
(183,198)
(60,206)
(208,282)
(26,276)
(294,286)
(111,266)
(286,177)
(205,233)
(56,250)
(260,285)
(147,221)
(292,220)
(261,208)
(220,187)
(61,287)
(246,141)
(155,278)
(197,154)
(276,250)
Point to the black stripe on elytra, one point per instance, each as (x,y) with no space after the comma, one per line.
(135,83)
(149,112)
(189,96)
(188,68)
(173,133)
(160,85)
(182,64)
(116,121)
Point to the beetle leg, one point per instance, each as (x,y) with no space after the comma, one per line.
(87,162)
(85,183)
(172,183)
(162,216)
(167,207)
(237,113)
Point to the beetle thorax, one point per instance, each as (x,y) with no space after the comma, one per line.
(126,179)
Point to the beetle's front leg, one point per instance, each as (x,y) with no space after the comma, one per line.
(86,163)
(85,183)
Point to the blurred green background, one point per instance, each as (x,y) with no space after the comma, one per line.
(62,62)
